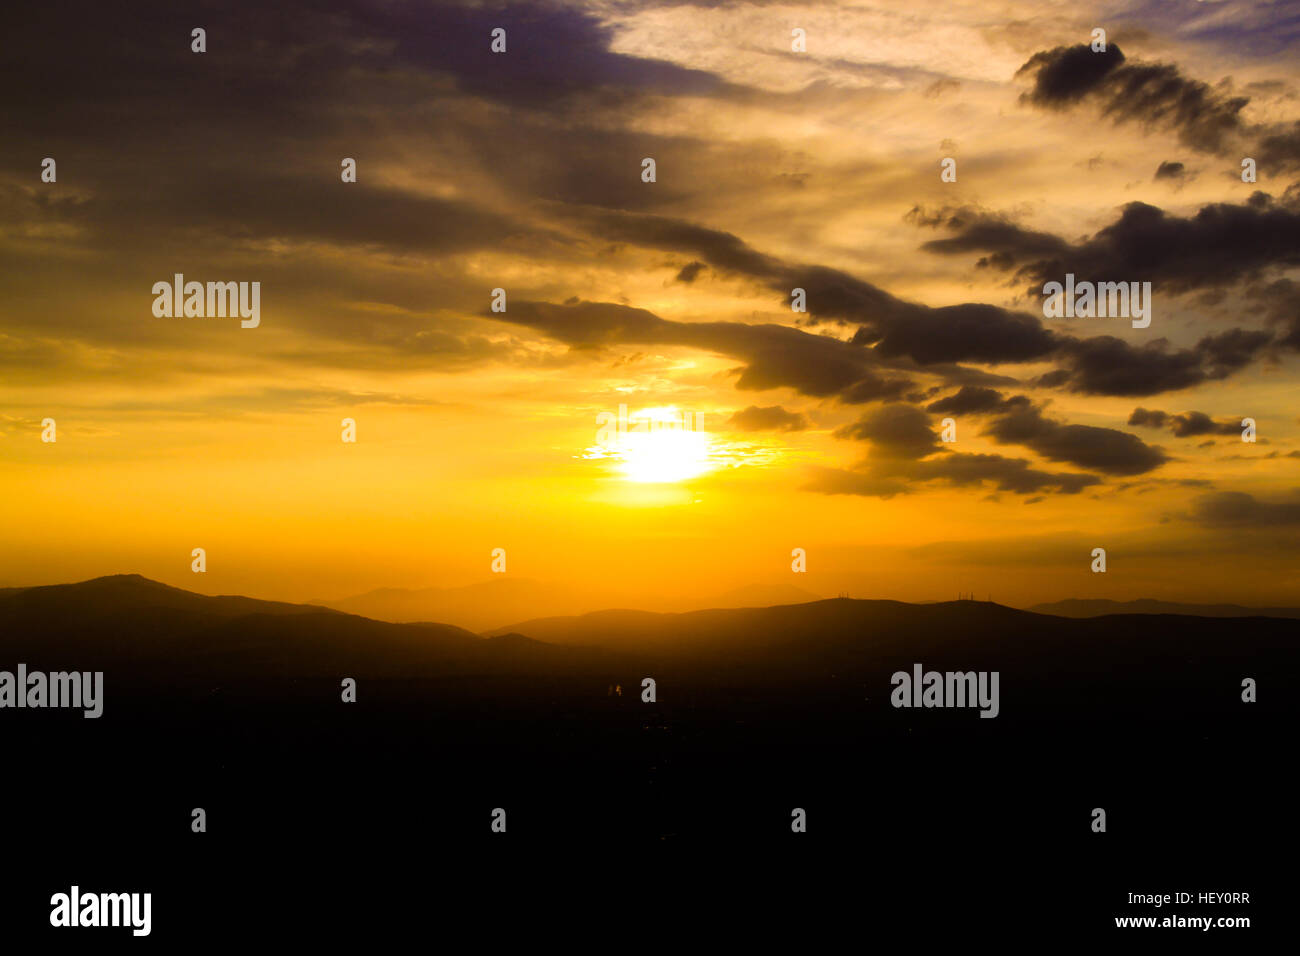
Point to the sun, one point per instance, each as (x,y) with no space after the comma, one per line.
(657,446)
(664,456)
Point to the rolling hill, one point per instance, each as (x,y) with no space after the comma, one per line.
(489,604)
(1093,607)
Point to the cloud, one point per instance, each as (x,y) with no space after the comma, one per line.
(1106,450)
(1148,418)
(887,478)
(267,205)
(776,356)
(1106,365)
(1012,475)
(689,271)
(1238,509)
(1185,425)
(940,86)
(1218,246)
(822,366)
(969,332)
(1153,94)
(966,332)
(904,447)
(1222,244)
(1281,302)
(1065,75)
(554,52)
(1190,424)
(969,399)
(838,481)
(1281,149)
(1232,350)
(769,418)
(1171,170)
(983,231)
(897,431)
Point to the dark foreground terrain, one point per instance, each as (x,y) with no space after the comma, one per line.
(374,817)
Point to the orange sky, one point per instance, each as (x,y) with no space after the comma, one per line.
(475,431)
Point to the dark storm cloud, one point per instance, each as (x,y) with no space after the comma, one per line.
(981,231)
(168,159)
(1218,246)
(1155,94)
(554,51)
(1109,366)
(959,375)
(902,433)
(1281,303)
(266,64)
(1107,450)
(288,87)
(1280,149)
(896,431)
(905,452)
(261,207)
(690,272)
(1012,475)
(1105,365)
(1171,170)
(973,332)
(1229,351)
(1066,74)
(769,418)
(1185,425)
(776,355)
(720,249)
(874,388)
(968,332)
(839,481)
(969,400)
(1237,509)
(1148,418)
(899,332)
(888,477)
(136,76)
(156,132)
(1191,424)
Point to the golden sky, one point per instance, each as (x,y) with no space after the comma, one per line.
(775,169)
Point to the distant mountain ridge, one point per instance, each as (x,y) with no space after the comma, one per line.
(818,656)
(1097,607)
(131,623)
(118,590)
(488,605)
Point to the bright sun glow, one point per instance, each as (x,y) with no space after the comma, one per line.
(656,446)
(660,456)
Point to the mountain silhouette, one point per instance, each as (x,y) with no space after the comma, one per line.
(475,607)
(238,706)
(1096,607)
(147,631)
(1137,663)
(136,627)
(488,605)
